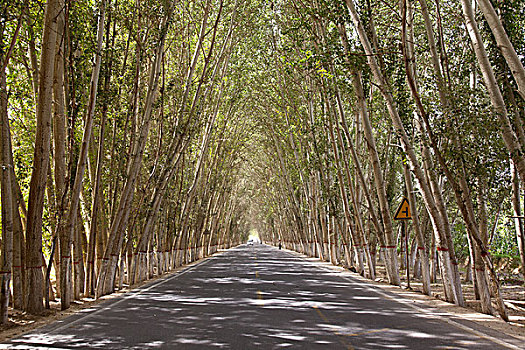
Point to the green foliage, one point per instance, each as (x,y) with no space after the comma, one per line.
(504,241)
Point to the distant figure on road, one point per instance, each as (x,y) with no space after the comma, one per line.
(280,245)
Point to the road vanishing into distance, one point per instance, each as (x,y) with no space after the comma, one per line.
(260,297)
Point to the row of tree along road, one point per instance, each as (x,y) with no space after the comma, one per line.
(378,101)
(139,136)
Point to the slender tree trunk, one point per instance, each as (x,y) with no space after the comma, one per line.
(18,253)
(504,44)
(7,202)
(408,55)
(97,188)
(82,160)
(389,240)
(40,161)
(356,236)
(498,103)
(106,277)
(60,163)
(410,153)
(518,220)
(481,272)
(18,258)
(420,239)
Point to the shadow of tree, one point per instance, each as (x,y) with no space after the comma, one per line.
(252,297)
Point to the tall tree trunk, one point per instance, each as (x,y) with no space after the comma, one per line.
(60,161)
(105,280)
(420,239)
(18,253)
(410,153)
(82,160)
(18,243)
(7,202)
(498,103)
(380,185)
(97,188)
(518,220)
(355,234)
(40,161)
(411,73)
(386,229)
(504,44)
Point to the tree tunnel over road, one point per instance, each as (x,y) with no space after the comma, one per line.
(137,137)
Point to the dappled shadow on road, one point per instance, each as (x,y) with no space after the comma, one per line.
(253,297)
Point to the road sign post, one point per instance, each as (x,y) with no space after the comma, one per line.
(403,213)
(404,227)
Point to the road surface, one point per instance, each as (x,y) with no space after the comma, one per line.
(259,297)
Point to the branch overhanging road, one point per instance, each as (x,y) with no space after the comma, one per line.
(260,297)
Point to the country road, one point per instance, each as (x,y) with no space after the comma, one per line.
(259,297)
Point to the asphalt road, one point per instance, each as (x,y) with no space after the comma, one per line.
(259,297)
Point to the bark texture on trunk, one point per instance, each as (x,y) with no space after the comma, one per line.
(435,215)
(6,161)
(34,303)
(504,44)
(106,278)
(509,137)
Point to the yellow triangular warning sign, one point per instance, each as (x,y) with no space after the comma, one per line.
(403,212)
